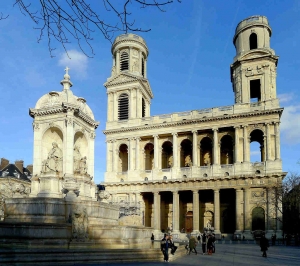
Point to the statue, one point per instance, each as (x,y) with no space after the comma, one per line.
(76,159)
(208,224)
(53,163)
(80,224)
(83,166)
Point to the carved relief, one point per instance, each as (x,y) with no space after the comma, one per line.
(135,66)
(258,194)
(80,224)
(36,126)
(53,163)
(53,98)
(104,196)
(249,71)
(92,135)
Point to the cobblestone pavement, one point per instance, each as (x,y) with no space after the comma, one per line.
(234,254)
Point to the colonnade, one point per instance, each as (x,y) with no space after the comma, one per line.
(135,151)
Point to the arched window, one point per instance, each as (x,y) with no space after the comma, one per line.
(143,108)
(124,61)
(257,152)
(123,158)
(206,152)
(143,67)
(186,152)
(167,155)
(226,150)
(149,156)
(253,41)
(123,107)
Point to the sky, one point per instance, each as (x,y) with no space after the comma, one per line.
(188,67)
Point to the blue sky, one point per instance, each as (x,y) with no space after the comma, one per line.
(188,68)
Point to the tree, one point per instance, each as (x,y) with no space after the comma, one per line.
(63,21)
(285,199)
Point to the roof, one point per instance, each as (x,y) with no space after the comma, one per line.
(12,171)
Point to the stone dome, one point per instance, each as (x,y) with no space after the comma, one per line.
(56,99)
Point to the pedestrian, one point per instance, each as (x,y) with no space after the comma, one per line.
(273,239)
(165,245)
(264,244)
(209,245)
(192,245)
(203,243)
(213,243)
(152,237)
(172,244)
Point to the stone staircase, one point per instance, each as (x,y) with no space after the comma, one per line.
(43,257)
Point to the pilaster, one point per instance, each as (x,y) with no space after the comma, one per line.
(175,150)
(216,147)
(157,203)
(195,150)
(239,211)
(175,211)
(156,152)
(195,211)
(217,211)
(277,141)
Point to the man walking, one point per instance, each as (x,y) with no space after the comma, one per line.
(165,245)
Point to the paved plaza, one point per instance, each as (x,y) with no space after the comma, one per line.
(235,254)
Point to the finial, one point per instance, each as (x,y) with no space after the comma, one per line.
(66,81)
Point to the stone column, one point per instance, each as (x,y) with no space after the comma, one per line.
(246,145)
(156,137)
(145,68)
(110,106)
(137,153)
(157,212)
(115,156)
(69,146)
(195,211)
(236,144)
(217,211)
(175,150)
(131,154)
(239,210)
(175,211)
(115,107)
(118,62)
(109,155)
(277,141)
(195,148)
(268,142)
(247,214)
(37,148)
(216,146)
(130,59)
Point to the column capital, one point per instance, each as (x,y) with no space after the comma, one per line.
(175,191)
(175,134)
(216,190)
(244,126)
(215,129)
(237,127)
(138,138)
(155,136)
(195,131)
(195,191)
(156,192)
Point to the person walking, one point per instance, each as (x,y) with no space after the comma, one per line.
(172,245)
(209,245)
(165,245)
(264,244)
(203,239)
(213,243)
(192,245)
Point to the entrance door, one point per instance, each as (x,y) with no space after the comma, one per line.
(258,219)
(189,222)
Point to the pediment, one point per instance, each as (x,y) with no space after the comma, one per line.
(120,79)
(256,54)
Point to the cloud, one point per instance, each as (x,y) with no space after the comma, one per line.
(77,62)
(285,97)
(290,125)
(255,153)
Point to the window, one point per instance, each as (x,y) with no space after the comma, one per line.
(143,108)
(143,67)
(124,64)
(253,41)
(123,107)
(255,95)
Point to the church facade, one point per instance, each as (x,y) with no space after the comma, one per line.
(189,171)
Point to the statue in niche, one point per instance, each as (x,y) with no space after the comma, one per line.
(208,224)
(80,163)
(53,163)
(80,223)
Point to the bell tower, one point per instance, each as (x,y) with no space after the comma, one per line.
(253,71)
(129,92)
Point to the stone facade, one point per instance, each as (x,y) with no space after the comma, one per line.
(191,169)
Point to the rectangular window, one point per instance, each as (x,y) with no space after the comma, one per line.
(255,91)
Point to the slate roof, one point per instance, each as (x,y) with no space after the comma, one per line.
(13,172)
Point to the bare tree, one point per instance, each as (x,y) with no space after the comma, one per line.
(285,199)
(64,21)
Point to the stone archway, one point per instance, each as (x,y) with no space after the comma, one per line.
(189,222)
(258,219)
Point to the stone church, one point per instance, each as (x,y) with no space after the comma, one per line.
(190,171)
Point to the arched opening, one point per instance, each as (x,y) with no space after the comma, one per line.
(226,150)
(189,222)
(124,61)
(149,156)
(143,108)
(167,155)
(186,152)
(257,151)
(123,158)
(253,41)
(258,219)
(206,151)
(143,67)
(80,153)
(208,221)
(123,107)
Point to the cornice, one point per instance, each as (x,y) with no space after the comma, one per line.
(200,180)
(193,121)
(63,108)
(127,40)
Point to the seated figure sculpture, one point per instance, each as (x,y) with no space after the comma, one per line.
(53,163)
(77,159)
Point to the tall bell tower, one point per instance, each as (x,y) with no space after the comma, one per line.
(253,72)
(129,92)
